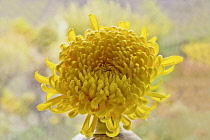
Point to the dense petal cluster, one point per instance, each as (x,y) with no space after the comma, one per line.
(107,74)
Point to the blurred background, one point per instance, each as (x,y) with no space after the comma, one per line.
(32,30)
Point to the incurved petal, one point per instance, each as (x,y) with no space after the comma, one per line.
(71,35)
(50,65)
(114,133)
(126,122)
(156,86)
(153,106)
(48,89)
(41,79)
(130,110)
(110,125)
(169,70)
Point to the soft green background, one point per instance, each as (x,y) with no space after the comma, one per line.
(32,30)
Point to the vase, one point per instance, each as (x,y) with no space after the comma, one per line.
(100,134)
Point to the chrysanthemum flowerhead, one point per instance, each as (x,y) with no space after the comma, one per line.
(106,74)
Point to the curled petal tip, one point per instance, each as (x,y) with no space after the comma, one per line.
(50,65)
(71,35)
(41,79)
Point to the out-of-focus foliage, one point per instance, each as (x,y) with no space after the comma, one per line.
(23,27)
(198,51)
(33,30)
(14,53)
(149,15)
(178,116)
(16,105)
(46,36)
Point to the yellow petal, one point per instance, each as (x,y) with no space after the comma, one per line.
(48,89)
(80,36)
(92,127)
(158,61)
(154,94)
(101,114)
(142,111)
(52,81)
(58,87)
(131,116)
(104,119)
(49,95)
(62,46)
(95,103)
(73,113)
(156,86)
(81,108)
(85,125)
(160,70)
(87,107)
(144,99)
(52,102)
(71,35)
(167,71)
(160,99)
(56,111)
(153,106)
(143,117)
(43,106)
(172,60)
(154,39)
(51,65)
(124,25)
(110,125)
(126,122)
(157,99)
(127,25)
(101,27)
(131,110)
(156,48)
(93,22)
(41,79)
(144,32)
(154,74)
(114,133)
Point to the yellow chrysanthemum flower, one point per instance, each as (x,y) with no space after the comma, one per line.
(106,74)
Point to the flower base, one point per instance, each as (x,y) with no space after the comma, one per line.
(100,134)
